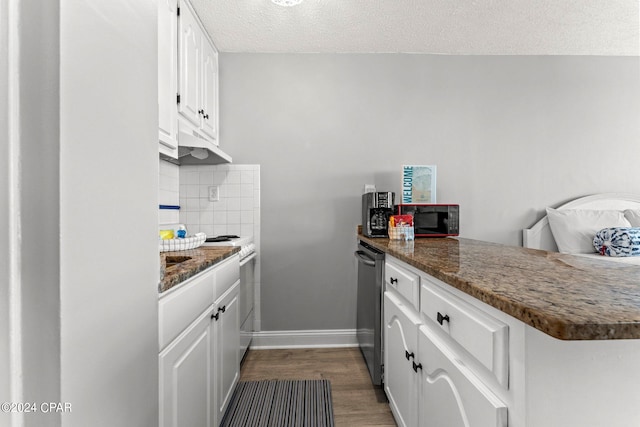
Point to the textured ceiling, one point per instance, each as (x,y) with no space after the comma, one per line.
(475,27)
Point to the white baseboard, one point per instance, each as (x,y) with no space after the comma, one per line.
(304,339)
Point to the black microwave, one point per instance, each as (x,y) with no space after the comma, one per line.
(433,220)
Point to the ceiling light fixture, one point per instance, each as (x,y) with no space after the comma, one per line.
(287,2)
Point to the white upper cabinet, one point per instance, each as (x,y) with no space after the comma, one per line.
(168,77)
(190,66)
(210,91)
(197,76)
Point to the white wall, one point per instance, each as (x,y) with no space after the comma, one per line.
(510,135)
(29,286)
(6,210)
(109,263)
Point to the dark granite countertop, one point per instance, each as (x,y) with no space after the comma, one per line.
(201,259)
(565,296)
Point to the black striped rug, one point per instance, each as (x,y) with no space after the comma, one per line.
(279,403)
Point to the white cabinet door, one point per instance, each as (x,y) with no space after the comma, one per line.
(168,76)
(400,351)
(450,394)
(190,66)
(185,367)
(210,91)
(226,349)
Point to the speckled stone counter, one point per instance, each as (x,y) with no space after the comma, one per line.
(201,259)
(567,297)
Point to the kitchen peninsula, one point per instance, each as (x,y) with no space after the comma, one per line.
(522,337)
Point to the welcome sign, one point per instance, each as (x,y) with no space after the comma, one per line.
(418,184)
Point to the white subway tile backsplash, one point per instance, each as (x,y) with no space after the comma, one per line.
(206,205)
(219,177)
(246,217)
(246,190)
(234,203)
(237,209)
(168,191)
(193,217)
(220,217)
(246,177)
(206,177)
(220,205)
(234,229)
(191,177)
(246,203)
(204,191)
(206,218)
(233,217)
(167,217)
(248,230)
(232,190)
(233,177)
(208,230)
(193,191)
(191,205)
(220,229)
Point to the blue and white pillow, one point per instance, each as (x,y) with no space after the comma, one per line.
(618,241)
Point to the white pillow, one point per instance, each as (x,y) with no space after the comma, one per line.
(633,216)
(573,229)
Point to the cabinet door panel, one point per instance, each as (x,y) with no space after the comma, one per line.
(190,57)
(167,76)
(226,349)
(183,304)
(210,91)
(401,339)
(404,281)
(485,337)
(185,366)
(451,395)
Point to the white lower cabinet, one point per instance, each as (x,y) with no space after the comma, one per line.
(401,346)
(185,369)
(431,378)
(199,359)
(450,394)
(225,348)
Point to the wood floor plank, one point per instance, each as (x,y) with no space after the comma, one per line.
(356,402)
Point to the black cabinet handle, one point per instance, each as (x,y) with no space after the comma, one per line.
(215,316)
(394,280)
(416,367)
(408,355)
(441,319)
(206,116)
(223,308)
(200,112)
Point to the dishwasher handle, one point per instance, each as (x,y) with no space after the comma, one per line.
(362,256)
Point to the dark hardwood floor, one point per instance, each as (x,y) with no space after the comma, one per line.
(356,402)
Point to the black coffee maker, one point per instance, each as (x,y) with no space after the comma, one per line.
(377,207)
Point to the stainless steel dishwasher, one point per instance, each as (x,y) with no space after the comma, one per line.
(369,310)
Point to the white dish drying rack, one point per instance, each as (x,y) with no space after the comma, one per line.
(190,242)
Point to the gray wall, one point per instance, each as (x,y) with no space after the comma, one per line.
(510,135)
